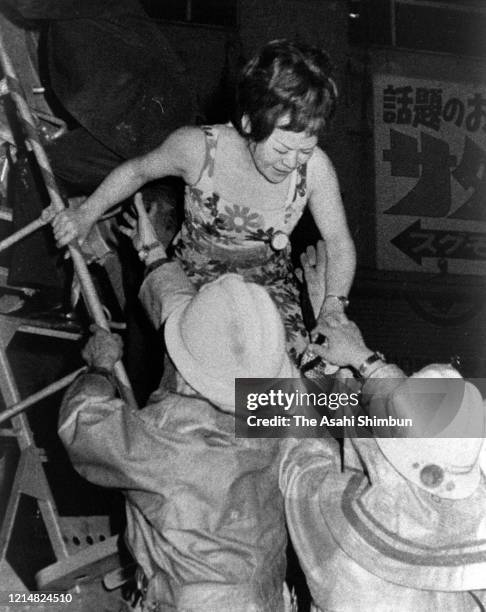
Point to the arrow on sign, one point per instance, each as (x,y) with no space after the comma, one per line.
(418,243)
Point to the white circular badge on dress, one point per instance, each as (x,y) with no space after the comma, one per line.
(279,241)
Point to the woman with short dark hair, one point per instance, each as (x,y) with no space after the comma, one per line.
(247,185)
(286,79)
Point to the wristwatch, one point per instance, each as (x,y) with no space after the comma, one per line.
(145,250)
(340,298)
(371,364)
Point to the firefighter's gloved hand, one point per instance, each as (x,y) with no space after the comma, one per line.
(103,349)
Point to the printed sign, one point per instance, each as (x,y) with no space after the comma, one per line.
(430,161)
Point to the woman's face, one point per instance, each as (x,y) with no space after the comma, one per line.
(283,151)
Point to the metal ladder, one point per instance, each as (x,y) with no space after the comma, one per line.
(30,479)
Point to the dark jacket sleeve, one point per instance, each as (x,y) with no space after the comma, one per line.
(106,441)
(146,451)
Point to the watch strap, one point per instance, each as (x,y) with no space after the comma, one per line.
(371,364)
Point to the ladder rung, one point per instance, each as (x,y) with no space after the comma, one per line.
(17,290)
(7,433)
(19,407)
(41,329)
(5,213)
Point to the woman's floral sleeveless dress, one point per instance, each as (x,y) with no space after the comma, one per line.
(218,236)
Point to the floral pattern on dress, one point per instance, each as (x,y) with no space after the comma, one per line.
(230,230)
(276,276)
(210,202)
(301,185)
(240,219)
(264,235)
(295,208)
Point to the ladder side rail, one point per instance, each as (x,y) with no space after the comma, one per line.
(11,397)
(33,226)
(27,446)
(86,282)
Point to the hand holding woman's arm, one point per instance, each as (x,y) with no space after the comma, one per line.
(142,233)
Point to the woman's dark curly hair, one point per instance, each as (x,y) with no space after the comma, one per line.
(289,80)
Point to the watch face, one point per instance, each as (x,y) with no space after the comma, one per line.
(340,298)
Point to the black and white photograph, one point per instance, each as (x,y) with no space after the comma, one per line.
(243,305)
